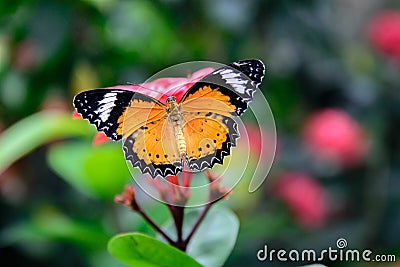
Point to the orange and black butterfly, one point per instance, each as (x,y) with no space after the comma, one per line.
(159,138)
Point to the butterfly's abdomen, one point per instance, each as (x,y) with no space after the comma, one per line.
(181,141)
(175,117)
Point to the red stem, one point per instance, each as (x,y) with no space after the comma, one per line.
(155,226)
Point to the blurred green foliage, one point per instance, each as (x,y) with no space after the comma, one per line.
(55,198)
(88,169)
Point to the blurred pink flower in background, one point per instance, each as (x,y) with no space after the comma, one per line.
(384,33)
(335,136)
(25,56)
(259,139)
(255,139)
(56,103)
(305,197)
(159,89)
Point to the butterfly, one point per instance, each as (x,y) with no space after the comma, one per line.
(160,138)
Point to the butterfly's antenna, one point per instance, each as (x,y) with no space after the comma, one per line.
(165,93)
(144,87)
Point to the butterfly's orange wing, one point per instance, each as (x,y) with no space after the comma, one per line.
(142,110)
(209,109)
(209,128)
(149,139)
(209,138)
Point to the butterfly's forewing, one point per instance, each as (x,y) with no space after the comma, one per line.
(104,109)
(149,141)
(236,83)
(208,109)
(252,68)
(142,110)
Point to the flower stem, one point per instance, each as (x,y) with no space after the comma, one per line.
(178,214)
(155,226)
(198,222)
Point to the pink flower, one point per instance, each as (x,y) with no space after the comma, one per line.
(76,115)
(335,136)
(162,88)
(100,138)
(174,191)
(305,197)
(384,33)
(159,89)
(127,198)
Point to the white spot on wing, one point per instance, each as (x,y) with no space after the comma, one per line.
(109,97)
(105,106)
(233,78)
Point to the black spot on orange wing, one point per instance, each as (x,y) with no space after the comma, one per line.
(154,150)
(152,169)
(210,152)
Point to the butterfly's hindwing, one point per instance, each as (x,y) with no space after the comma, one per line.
(153,149)
(103,108)
(209,137)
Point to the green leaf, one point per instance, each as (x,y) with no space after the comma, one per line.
(36,130)
(139,250)
(99,172)
(214,240)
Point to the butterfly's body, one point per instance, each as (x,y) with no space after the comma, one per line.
(176,119)
(199,129)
